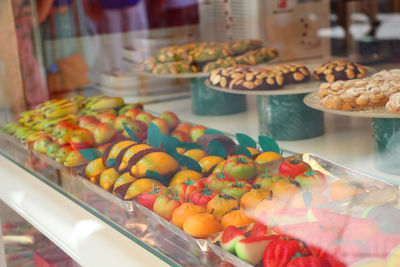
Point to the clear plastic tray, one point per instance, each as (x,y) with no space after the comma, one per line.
(142,225)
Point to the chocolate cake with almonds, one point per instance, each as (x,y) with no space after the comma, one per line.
(339,70)
(243,78)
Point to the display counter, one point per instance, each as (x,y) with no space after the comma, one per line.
(85,236)
(74,218)
(197,145)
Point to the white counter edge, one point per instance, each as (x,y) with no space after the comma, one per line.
(83,236)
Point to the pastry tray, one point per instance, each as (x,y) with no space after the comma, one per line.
(187,75)
(309,86)
(291,89)
(313,101)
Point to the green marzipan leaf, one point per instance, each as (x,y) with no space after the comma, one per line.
(131,134)
(156,176)
(189,146)
(212,131)
(169,145)
(242,150)
(175,141)
(215,148)
(268,144)
(189,163)
(246,140)
(90,154)
(110,163)
(176,156)
(154,136)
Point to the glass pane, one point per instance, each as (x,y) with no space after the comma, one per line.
(25,246)
(319,77)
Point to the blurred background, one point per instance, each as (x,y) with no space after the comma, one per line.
(96,45)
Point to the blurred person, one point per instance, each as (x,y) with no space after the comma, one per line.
(35,90)
(156,13)
(181,12)
(68,50)
(169,13)
(61,18)
(116,19)
(370,8)
(62,23)
(49,7)
(124,15)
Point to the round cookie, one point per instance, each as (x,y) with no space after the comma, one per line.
(293,73)
(339,70)
(238,78)
(272,78)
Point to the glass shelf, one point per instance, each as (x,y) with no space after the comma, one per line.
(154,234)
(138,229)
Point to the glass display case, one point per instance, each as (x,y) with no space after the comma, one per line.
(204,132)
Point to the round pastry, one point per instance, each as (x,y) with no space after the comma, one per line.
(272,78)
(293,73)
(393,105)
(359,94)
(339,70)
(245,79)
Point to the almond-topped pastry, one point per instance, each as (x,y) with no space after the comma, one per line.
(240,78)
(256,56)
(248,78)
(339,70)
(393,105)
(335,87)
(360,94)
(292,73)
(207,56)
